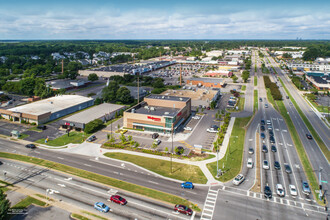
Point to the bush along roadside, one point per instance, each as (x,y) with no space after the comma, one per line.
(221,133)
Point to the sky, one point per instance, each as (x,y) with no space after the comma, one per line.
(170,19)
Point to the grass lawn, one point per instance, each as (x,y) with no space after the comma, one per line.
(300,149)
(166,197)
(270,98)
(232,161)
(320,108)
(319,141)
(28,201)
(255,81)
(243,87)
(96,216)
(22,136)
(74,138)
(181,171)
(256,101)
(35,129)
(77,216)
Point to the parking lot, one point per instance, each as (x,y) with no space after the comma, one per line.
(6,127)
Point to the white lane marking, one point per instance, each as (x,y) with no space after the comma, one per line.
(153,182)
(87,165)
(37,152)
(61,158)
(61,185)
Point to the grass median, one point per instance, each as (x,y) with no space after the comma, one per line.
(24,203)
(231,163)
(300,148)
(162,196)
(255,101)
(74,138)
(243,87)
(317,138)
(181,171)
(270,98)
(255,81)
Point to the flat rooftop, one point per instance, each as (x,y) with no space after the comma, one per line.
(155,110)
(53,104)
(93,113)
(171,98)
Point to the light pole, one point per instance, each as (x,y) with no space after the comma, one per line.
(320,180)
(172,147)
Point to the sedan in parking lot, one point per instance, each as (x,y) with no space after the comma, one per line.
(268,192)
(293,190)
(183,209)
(118,199)
(187,185)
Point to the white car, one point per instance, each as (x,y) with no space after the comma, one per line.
(195,117)
(265,165)
(249,163)
(187,128)
(280,190)
(268,122)
(293,190)
(238,179)
(211,130)
(157,141)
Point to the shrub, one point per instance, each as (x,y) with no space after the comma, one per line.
(93,126)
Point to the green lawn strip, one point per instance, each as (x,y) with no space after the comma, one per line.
(74,138)
(243,87)
(323,147)
(103,179)
(181,171)
(320,108)
(77,216)
(232,161)
(28,201)
(44,197)
(4,185)
(22,136)
(270,98)
(255,81)
(35,129)
(256,101)
(94,215)
(300,149)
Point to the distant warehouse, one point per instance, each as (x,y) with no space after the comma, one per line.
(104,112)
(45,110)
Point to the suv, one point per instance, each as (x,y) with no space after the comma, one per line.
(280,190)
(155,135)
(238,179)
(268,192)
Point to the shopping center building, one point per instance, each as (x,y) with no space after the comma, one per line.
(158,113)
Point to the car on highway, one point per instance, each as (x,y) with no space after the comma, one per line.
(273,147)
(251,151)
(262,135)
(265,165)
(293,190)
(287,97)
(309,136)
(270,127)
(266,105)
(260,99)
(269,122)
(249,163)
(305,188)
(268,192)
(262,122)
(155,135)
(187,185)
(287,168)
(183,209)
(264,149)
(271,133)
(238,179)
(280,190)
(277,165)
(262,128)
(118,199)
(187,128)
(31,146)
(100,206)
(272,139)
(91,138)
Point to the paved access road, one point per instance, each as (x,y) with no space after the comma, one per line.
(83,194)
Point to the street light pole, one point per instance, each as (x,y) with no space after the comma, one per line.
(320,180)
(172,147)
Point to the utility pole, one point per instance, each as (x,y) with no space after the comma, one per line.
(181,74)
(320,180)
(172,147)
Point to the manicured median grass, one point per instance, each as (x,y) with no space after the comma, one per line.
(319,141)
(256,101)
(74,138)
(23,136)
(232,161)
(300,149)
(255,81)
(181,171)
(103,179)
(28,201)
(77,216)
(243,87)
(270,98)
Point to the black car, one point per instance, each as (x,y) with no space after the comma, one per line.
(262,122)
(42,127)
(274,148)
(251,151)
(268,192)
(0,163)
(155,135)
(262,135)
(264,149)
(287,168)
(271,133)
(277,165)
(272,139)
(309,136)
(260,99)
(262,128)
(32,146)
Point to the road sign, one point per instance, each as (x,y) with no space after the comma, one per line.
(323,181)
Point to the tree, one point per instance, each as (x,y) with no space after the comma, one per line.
(235,78)
(98,101)
(212,105)
(245,75)
(92,77)
(93,126)
(4,205)
(123,139)
(124,95)
(27,87)
(109,93)
(287,55)
(158,83)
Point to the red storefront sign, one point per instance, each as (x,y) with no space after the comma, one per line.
(153,118)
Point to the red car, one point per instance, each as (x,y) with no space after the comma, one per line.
(118,199)
(183,209)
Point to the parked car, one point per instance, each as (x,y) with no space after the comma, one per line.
(208,108)
(155,135)
(118,199)
(262,135)
(309,136)
(187,128)
(264,149)
(100,206)
(42,127)
(277,165)
(211,130)
(195,117)
(32,146)
(183,209)
(268,192)
(287,168)
(91,138)
(293,190)
(251,151)
(305,188)
(274,148)
(123,131)
(249,163)
(187,185)
(157,141)
(280,190)
(265,165)
(238,179)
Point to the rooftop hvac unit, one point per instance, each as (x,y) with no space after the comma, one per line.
(180,99)
(166,113)
(133,110)
(152,108)
(163,97)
